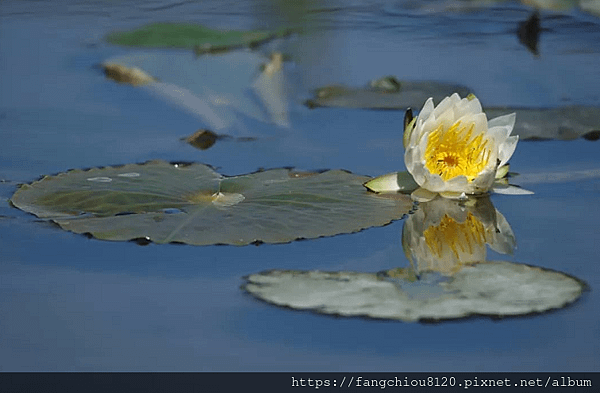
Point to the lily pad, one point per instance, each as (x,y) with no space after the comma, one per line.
(495,289)
(562,123)
(200,38)
(384,93)
(193,204)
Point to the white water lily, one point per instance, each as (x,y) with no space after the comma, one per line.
(453,150)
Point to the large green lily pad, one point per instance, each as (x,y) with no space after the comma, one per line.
(200,38)
(384,93)
(193,204)
(496,289)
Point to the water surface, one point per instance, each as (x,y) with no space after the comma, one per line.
(73,303)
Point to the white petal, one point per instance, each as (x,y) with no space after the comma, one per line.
(483,181)
(446,104)
(415,167)
(507,149)
(457,184)
(427,127)
(502,121)
(510,190)
(447,119)
(467,106)
(427,109)
(422,195)
(434,182)
(410,158)
(480,121)
(421,147)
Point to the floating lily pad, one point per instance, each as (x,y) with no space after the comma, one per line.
(193,204)
(214,88)
(495,289)
(563,123)
(385,93)
(200,38)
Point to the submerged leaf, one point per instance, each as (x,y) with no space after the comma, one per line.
(202,39)
(488,288)
(195,205)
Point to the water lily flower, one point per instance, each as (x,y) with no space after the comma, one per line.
(453,150)
(443,235)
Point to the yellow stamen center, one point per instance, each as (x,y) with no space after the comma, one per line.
(456,237)
(453,152)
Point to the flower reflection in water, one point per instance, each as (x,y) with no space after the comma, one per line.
(444,234)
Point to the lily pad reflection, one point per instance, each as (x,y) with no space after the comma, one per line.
(449,278)
(193,204)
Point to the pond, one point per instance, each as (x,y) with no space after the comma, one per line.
(75,303)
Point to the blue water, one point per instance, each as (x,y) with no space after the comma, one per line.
(72,303)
